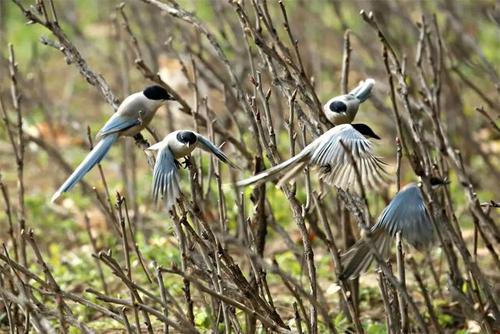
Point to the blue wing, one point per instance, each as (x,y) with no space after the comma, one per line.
(117,123)
(166,179)
(406,213)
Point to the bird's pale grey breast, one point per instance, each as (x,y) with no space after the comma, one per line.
(137,103)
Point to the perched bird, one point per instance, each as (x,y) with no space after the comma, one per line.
(174,146)
(133,115)
(327,153)
(406,213)
(342,109)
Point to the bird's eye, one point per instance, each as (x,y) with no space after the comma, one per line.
(338,106)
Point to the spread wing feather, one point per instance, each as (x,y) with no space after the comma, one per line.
(166,179)
(359,257)
(406,213)
(334,163)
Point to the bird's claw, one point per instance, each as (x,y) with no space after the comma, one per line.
(187,162)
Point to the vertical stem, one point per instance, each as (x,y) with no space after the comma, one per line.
(16,99)
(387,306)
(425,293)
(398,164)
(402,279)
(126,253)
(399,247)
(348,300)
(8,214)
(163,296)
(311,270)
(94,248)
(346,60)
(182,246)
(296,316)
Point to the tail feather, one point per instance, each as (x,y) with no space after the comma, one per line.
(364,89)
(291,174)
(356,260)
(92,159)
(359,257)
(271,172)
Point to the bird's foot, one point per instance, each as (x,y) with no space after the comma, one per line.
(187,162)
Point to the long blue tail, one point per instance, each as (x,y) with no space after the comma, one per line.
(92,159)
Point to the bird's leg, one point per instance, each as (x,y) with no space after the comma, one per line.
(326,169)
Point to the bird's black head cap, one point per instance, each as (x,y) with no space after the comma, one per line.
(156,93)
(187,137)
(338,106)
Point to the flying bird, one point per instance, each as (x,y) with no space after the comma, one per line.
(327,153)
(174,146)
(132,116)
(406,213)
